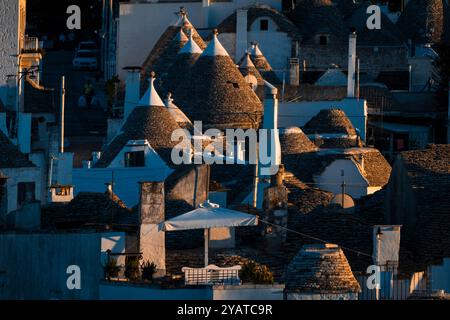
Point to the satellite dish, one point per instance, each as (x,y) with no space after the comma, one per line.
(343,200)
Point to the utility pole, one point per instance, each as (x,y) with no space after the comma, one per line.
(63,102)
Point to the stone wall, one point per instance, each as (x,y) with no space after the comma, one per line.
(372,59)
(9,43)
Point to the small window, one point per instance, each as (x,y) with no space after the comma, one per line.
(264,25)
(135,159)
(323,40)
(63,191)
(26,192)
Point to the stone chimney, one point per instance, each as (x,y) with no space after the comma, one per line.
(241,33)
(294,72)
(386,247)
(132,90)
(275,206)
(151,214)
(351,65)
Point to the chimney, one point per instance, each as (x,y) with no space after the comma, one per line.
(96,155)
(151,214)
(241,33)
(272,150)
(275,206)
(351,65)
(386,247)
(132,90)
(294,72)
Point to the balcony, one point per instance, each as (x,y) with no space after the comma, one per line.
(31,53)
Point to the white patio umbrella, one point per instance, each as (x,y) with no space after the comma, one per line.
(209,215)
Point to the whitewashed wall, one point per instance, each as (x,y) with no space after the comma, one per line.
(331,179)
(141,24)
(9,42)
(126,181)
(16,175)
(441,276)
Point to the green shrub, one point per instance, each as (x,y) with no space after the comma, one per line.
(148,269)
(258,274)
(132,270)
(111,269)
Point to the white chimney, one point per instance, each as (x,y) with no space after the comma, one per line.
(351,65)
(270,123)
(241,33)
(132,90)
(386,246)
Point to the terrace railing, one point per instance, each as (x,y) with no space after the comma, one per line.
(212,275)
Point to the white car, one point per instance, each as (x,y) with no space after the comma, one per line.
(85,59)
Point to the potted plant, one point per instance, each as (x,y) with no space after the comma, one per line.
(111,269)
(257,274)
(132,271)
(148,269)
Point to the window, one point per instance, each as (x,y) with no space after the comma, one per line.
(323,40)
(26,192)
(135,159)
(264,25)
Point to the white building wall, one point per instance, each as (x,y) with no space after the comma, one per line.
(441,276)
(299,113)
(126,181)
(17,175)
(116,242)
(9,43)
(331,179)
(276,46)
(152,159)
(141,24)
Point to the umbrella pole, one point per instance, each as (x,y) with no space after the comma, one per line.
(206,235)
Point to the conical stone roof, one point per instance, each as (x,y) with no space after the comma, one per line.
(294,141)
(180,68)
(150,121)
(216,93)
(169,44)
(388,35)
(331,121)
(248,68)
(320,269)
(423,21)
(315,17)
(333,130)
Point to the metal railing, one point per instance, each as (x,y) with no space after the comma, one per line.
(212,275)
(30,44)
(393,286)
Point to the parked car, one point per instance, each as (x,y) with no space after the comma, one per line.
(87,46)
(85,59)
